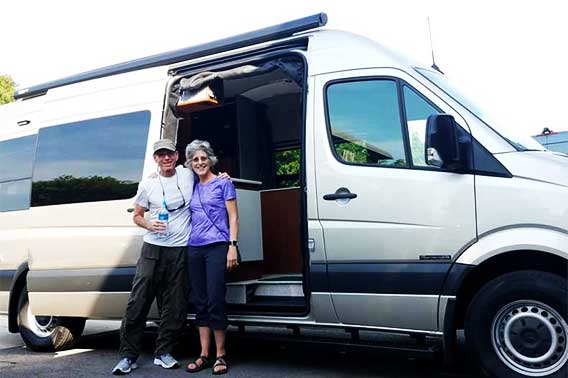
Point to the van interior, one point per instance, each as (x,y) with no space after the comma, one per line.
(252,115)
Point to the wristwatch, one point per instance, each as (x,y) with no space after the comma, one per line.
(234,243)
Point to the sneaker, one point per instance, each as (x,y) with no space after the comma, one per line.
(124,366)
(166,361)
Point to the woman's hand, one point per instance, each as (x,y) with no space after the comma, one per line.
(232,262)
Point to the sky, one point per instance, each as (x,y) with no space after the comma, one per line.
(511,57)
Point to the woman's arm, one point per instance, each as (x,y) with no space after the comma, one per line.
(231,206)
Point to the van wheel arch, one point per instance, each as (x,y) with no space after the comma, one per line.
(499,265)
(18,285)
(46,333)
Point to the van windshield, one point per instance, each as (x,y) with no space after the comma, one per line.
(518,141)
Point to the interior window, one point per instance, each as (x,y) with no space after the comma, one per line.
(94,160)
(287,165)
(417,112)
(365,122)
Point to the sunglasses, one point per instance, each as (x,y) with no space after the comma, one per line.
(164,195)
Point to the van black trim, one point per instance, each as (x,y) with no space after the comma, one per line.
(318,277)
(304,229)
(271,33)
(455,278)
(73,280)
(18,283)
(418,278)
(449,328)
(6,278)
(414,278)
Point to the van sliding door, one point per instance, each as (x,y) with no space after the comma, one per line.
(83,243)
(391,223)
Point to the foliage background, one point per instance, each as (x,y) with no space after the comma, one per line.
(7,86)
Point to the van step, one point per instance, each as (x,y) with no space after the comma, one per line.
(279,289)
(296,305)
(274,278)
(246,291)
(237,293)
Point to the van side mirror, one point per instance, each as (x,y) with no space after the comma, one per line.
(442,148)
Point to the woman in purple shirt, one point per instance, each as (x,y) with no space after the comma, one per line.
(212,251)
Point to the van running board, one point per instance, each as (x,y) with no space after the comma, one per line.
(416,346)
(410,346)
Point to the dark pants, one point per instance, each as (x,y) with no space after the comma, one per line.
(207,266)
(160,274)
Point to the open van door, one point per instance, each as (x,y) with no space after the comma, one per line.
(391,222)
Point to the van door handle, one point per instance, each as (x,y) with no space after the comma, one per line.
(341,193)
(336,196)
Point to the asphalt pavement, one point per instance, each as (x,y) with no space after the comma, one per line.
(96,353)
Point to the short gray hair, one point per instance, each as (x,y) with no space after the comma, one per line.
(199,145)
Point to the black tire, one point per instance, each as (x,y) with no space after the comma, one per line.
(47,333)
(517,326)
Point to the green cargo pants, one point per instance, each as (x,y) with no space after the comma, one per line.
(160,274)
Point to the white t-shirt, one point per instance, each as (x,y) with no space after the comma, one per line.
(151,193)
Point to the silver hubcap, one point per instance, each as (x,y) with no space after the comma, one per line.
(42,326)
(530,338)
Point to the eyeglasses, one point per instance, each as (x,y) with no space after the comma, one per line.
(197,159)
(164,195)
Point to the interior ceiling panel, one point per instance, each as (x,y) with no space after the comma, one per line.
(235,87)
(274,89)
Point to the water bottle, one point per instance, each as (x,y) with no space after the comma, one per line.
(164,216)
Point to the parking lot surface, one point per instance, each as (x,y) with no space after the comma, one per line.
(96,354)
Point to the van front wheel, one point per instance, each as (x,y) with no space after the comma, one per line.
(46,333)
(517,325)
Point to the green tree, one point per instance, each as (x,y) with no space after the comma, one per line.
(7,86)
(287,167)
(288,162)
(352,152)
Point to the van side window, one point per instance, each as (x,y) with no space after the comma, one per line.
(417,112)
(93,160)
(365,124)
(16,162)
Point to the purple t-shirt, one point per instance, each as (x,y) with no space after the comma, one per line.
(213,196)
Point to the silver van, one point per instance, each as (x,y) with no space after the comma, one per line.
(372,196)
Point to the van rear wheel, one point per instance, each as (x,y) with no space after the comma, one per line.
(517,326)
(46,333)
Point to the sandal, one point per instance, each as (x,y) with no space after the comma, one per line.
(220,361)
(205,363)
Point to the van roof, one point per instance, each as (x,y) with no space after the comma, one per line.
(267,34)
